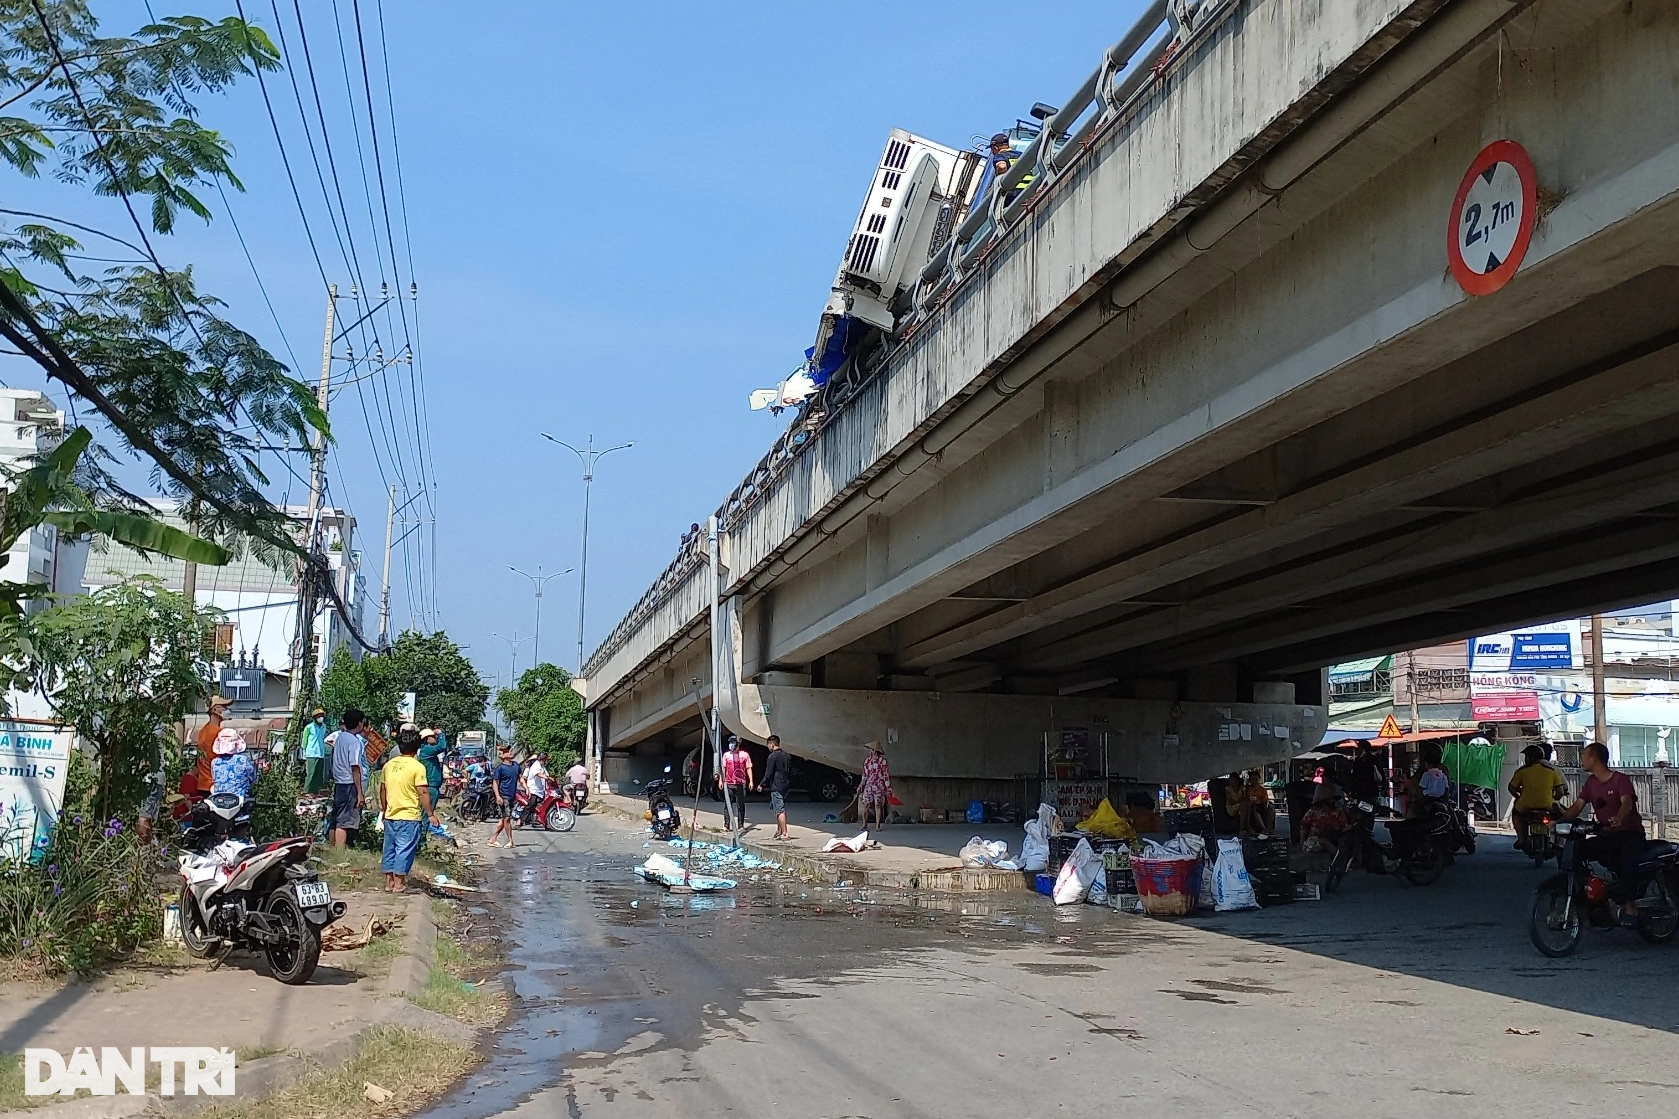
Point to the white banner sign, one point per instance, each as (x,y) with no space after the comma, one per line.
(34,762)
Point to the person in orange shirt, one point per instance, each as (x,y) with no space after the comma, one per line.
(206,748)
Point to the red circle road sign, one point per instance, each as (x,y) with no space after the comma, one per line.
(1492,218)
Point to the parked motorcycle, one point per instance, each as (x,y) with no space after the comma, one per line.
(476,801)
(578,797)
(258,897)
(661,809)
(1564,904)
(1456,827)
(1541,843)
(1415,852)
(551,810)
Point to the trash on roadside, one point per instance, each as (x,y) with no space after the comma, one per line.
(852,845)
(374,1093)
(1519,1032)
(342,938)
(668,873)
(982,854)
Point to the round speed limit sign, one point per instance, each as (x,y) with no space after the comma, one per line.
(1492,218)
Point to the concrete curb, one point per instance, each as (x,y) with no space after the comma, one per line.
(833,870)
(411,971)
(409,974)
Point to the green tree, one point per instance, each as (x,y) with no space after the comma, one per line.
(546,714)
(122,665)
(450,696)
(134,342)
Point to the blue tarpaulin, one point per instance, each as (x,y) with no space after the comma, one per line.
(833,354)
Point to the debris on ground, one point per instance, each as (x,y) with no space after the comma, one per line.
(341,938)
(668,872)
(852,845)
(373,1093)
(719,856)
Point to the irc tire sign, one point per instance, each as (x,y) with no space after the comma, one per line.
(1492,218)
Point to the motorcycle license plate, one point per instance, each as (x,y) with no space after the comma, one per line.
(664,813)
(313,895)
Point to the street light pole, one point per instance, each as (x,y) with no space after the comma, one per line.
(513,644)
(588,456)
(538,581)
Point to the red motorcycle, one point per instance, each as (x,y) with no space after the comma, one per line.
(553,811)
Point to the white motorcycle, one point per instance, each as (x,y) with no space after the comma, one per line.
(259,897)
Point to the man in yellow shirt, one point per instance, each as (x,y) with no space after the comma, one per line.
(403,799)
(1537,788)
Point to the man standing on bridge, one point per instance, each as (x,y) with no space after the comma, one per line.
(778,769)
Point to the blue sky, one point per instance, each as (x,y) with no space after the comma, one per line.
(624,218)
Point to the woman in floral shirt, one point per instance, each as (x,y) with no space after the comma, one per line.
(231,768)
(876,789)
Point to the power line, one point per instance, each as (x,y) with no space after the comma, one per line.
(285,160)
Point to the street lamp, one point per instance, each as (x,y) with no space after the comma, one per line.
(513,644)
(588,456)
(538,581)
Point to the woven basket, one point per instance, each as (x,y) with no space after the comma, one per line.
(1168,887)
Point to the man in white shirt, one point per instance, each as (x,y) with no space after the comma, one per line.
(536,784)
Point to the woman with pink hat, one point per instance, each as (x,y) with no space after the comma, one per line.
(232,769)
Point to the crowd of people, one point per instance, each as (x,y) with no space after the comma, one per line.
(416,773)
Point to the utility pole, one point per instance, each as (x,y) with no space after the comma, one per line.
(1600,705)
(588,456)
(538,581)
(317,487)
(385,581)
(1411,687)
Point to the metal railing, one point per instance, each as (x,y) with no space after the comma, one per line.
(1127,70)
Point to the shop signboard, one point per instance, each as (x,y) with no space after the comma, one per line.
(34,761)
(1504,707)
(1536,648)
(1076,800)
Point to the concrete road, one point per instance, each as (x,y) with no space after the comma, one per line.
(786,999)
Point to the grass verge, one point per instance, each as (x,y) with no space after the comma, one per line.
(386,1058)
(463,982)
(355,868)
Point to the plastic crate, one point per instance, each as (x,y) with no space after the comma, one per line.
(1194,821)
(1044,884)
(1121,881)
(1060,847)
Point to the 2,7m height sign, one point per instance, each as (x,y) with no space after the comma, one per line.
(1492,218)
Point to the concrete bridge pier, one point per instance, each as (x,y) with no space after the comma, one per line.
(947,748)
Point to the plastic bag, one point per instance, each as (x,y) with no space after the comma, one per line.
(1098,894)
(1107,823)
(1232,889)
(979,853)
(1077,873)
(1034,849)
(856,843)
(1182,846)
(1205,898)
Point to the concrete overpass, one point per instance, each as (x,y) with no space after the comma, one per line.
(1210,412)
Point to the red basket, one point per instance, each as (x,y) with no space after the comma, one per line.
(1168,887)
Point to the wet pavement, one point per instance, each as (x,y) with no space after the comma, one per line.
(785,998)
